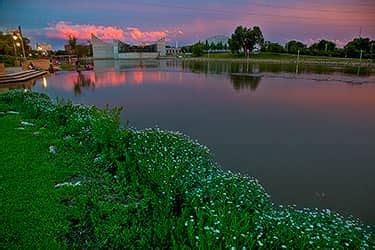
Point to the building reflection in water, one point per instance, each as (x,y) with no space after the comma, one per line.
(138,76)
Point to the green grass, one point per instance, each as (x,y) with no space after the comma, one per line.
(263,55)
(280,57)
(67,67)
(31,215)
(70,67)
(140,189)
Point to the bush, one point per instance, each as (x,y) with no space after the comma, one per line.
(9,61)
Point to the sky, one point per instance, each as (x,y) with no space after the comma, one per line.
(185,22)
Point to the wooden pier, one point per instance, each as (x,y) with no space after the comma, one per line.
(21,76)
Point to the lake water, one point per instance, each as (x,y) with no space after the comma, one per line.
(309,137)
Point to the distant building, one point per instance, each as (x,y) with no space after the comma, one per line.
(119,50)
(68,49)
(172,51)
(218,39)
(43,48)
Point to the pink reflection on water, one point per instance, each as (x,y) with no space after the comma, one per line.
(68,81)
(138,77)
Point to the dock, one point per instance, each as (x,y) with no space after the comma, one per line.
(21,76)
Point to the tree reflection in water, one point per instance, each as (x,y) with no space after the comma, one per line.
(241,82)
(81,82)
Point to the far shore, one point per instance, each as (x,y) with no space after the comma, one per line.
(290,59)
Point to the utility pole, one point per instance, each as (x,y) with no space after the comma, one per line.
(372,45)
(298,56)
(360,63)
(297,61)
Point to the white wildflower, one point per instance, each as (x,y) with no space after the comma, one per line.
(52,149)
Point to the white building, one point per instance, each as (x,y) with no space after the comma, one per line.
(120,50)
(43,48)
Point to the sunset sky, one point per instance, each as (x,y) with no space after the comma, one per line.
(188,21)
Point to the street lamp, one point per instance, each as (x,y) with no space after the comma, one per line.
(14,44)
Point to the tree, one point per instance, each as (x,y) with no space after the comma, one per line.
(212,46)
(197,49)
(6,44)
(206,46)
(293,47)
(354,47)
(83,50)
(186,49)
(220,46)
(323,47)
(272,47)
(72,41)
(244,39)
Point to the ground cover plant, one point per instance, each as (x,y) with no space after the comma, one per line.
(158,189)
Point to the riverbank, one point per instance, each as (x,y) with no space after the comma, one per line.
(117,187)
(283,58)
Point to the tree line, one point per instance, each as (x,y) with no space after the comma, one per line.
(245,40)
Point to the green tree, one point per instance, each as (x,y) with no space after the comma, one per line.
(6,44)
(83,50)
(354,47)
(220,46)
(245,39)
(212,46)
(272,47)
(197,49)
(72,41)
(206,46)
(293,47)
(323,47)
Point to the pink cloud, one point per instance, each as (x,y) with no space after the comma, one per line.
(62,30)
(135,34)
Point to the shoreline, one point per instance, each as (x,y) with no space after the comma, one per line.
(350,62)
(135,177)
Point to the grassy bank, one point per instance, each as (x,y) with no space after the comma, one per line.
(31,212)
(140,189)
(267,57)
